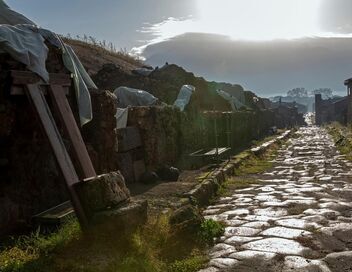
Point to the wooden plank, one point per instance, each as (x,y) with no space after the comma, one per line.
(19,90)
(56,215)
(64,112)
(42,109)
(219,151)
(26,77)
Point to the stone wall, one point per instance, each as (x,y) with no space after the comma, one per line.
(168,134)
(331,110)
(99,134)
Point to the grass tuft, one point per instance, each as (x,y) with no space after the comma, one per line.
(154,247)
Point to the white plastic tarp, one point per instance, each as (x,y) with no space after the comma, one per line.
(184,96)
(133,97)
(24,41)
(234,102)
(25,46)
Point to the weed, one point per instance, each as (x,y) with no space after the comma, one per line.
(210,229)
(314,229)
(192,264)
(257,164)
(341,136)
(27,249)
(241,183)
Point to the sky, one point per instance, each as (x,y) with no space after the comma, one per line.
(268,46)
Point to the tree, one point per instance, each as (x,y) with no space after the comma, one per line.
(325,92)
(298,92)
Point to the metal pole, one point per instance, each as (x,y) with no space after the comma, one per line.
(216,138)
(228,125)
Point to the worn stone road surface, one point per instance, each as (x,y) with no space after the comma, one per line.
(299,218)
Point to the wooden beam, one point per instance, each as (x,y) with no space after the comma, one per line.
(19,90)
(44,114)
(25,77)
(21,78)
(65,114)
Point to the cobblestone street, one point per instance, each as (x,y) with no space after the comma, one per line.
(298,218)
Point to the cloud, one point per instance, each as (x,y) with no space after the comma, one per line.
(266,67)
(336,16)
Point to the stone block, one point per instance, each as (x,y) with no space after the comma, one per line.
(102,192)
(125,165)
(127,139)
(138,169)
(131,164)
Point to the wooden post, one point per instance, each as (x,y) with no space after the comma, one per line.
(68,171)
(64,111)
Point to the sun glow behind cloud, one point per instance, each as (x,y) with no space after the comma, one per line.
(256,20)
(260,19)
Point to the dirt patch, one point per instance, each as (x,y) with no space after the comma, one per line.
(165,195)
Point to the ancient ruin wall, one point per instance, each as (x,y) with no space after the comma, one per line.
(169,134)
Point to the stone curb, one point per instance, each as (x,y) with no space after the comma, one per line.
(265,146)
(207,189)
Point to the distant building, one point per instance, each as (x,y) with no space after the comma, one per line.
(331,110)
(348,83)
(300,108)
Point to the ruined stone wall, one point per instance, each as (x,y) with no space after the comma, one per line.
(99,134)
(160,129)
(167,133)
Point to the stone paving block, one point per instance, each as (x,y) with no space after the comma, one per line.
(276,245)
(300,212)
(339,261)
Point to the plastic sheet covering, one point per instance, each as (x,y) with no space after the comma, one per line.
(133,97)
(11,17)
(235,103)
(25,43)
(121,118)
(25,46)
(82,82)
(184,96)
